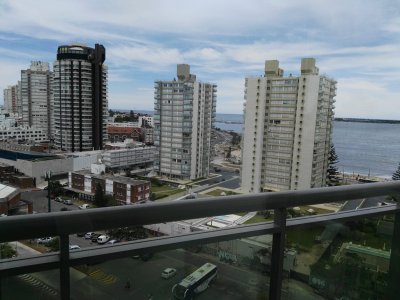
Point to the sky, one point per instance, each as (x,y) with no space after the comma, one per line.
(354,41)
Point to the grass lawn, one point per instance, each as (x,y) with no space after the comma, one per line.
(257,219)
(38,247)
(218,192)
(164,191)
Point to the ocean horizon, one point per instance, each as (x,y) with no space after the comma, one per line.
(363,148)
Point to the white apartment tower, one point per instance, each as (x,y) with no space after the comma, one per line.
(184,114)
(80,106)
(35,109)
(287,129)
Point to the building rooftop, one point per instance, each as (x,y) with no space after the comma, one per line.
(120,179)
(360,249)
(6,191)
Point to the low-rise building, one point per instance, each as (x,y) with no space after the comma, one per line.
(137,158)
(9,198)
(125,190)
(141,131)
(120,134)
(143,120)
(371,258)
(22,133)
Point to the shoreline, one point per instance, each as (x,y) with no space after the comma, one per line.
(366,177)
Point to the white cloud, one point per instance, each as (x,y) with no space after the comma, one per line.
(354,41)
(362,98)
(132,99)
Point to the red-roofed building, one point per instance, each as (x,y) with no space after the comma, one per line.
(119,134)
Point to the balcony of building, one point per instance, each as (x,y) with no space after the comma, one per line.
(352,253)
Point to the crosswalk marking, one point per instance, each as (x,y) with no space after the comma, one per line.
(28,278)
(102,277)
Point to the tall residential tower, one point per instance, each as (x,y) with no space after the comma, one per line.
(184,114)
(287,129)
(35,108)
(11,99)
(80,98)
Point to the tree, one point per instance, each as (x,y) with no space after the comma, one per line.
(56,188)
(6,251)
(396,174)
(99,199)
(110,200)
(228,154)
(236,138)
(54,244)
(332,168)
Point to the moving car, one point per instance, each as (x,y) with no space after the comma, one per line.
(168,273)
(74,247)
(67,202)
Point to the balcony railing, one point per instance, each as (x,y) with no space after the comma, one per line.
(63,224)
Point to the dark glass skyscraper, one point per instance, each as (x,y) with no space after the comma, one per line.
(80,98)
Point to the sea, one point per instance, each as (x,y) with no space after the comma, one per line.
(363,148)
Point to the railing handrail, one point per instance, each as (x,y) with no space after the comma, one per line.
(69,222)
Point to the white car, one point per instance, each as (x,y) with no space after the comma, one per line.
(44,240)
(112,242)
(74,247)
(84,206)
(168,273)
(102,239)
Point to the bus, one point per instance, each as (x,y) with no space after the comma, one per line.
(195,283)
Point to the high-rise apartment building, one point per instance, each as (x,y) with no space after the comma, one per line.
(287,129)
(10,99)
(80,106)
(184,114)
(35,108)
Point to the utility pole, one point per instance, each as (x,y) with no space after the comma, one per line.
(48,179)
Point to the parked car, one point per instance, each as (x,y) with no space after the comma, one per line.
(94,237)
(84,206)
(44,240)
(168,273)
(80,234)
(102,239)
(67,202)
(74,247)
(89,235)
(58,199)
(112,242)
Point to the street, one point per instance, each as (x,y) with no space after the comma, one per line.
(40,202)
(108,280)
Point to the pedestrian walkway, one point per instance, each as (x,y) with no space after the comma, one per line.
(243,219)
(102,277)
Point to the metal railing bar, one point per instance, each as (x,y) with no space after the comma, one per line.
(54,224)
(11,267)
(101,253)
(16,266)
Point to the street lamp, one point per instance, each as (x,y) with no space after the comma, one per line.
(48,179)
